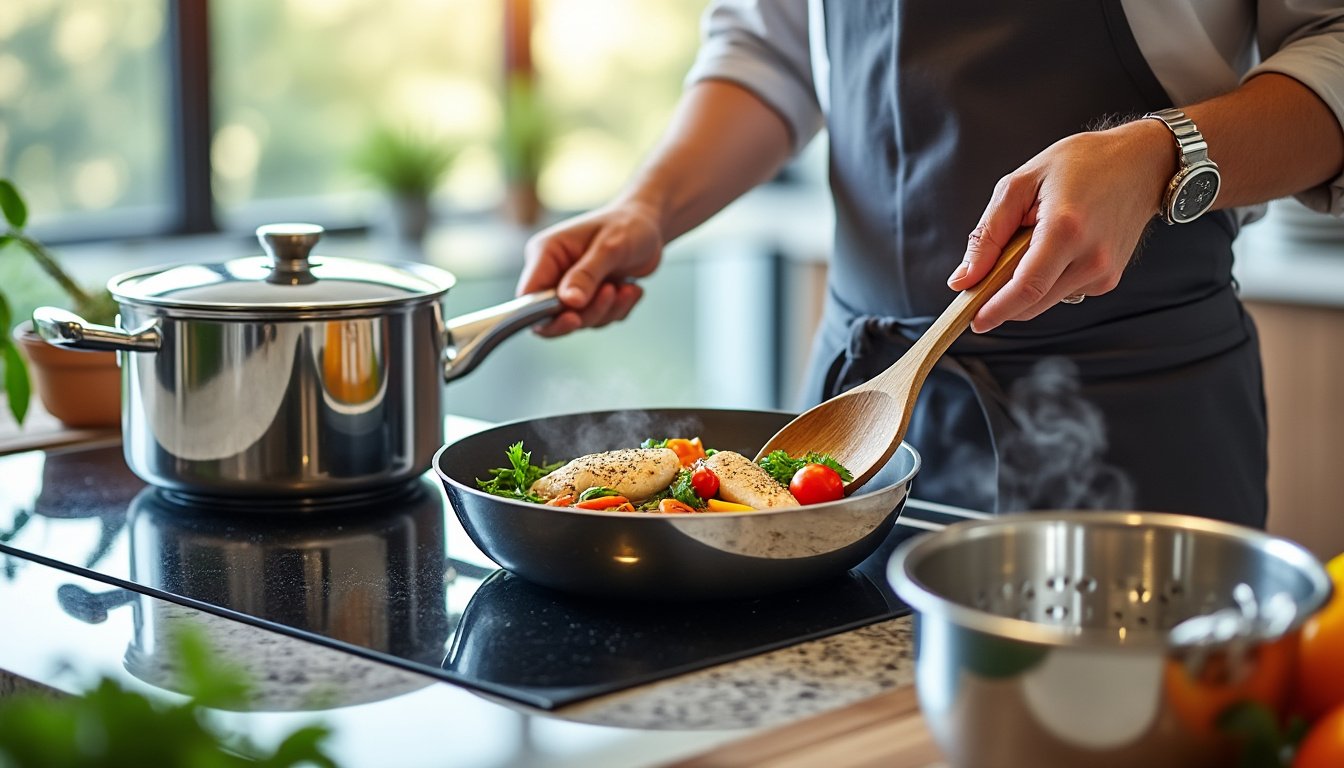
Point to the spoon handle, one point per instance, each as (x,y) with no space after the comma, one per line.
(958,315)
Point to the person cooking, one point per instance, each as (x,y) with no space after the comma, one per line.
(1136,138)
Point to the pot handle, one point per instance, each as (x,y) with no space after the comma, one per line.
(473,335)
(66,329)
(91,607)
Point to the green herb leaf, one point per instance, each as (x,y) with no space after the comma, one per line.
(782,466)
(11,203)
(683,491)
(515,480)
(597,492)
(17,389)
(1258,730)
(651,443)
(813,457)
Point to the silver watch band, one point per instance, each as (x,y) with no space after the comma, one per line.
(1188,138)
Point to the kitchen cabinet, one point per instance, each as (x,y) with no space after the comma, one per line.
(1302,347)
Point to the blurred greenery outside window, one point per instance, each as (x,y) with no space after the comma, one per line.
(84,116)
(297,85)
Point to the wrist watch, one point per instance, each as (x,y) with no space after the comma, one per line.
(1191,192)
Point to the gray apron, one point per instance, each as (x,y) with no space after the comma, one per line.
(1148,397)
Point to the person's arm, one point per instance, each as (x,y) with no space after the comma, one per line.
(722,142)
(1091,195)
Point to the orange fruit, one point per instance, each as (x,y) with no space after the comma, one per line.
(1323,746)
(1320,662)
(1199,699)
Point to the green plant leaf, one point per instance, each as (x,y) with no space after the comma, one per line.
(405,161)
(17,390)
(11,203)
(6,315)
(1258,730)
(301,748)
(205,677)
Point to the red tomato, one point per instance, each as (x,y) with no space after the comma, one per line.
(705,482)
(816,483)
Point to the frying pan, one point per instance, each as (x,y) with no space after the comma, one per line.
(655,556)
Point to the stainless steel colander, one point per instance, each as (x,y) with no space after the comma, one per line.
(1100,638)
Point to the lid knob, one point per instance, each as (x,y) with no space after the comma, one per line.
(288,245)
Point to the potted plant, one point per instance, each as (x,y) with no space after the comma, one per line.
(82,389)
(408,165)
(523,148)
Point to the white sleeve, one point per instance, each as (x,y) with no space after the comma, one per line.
(762,45)
(1304,39)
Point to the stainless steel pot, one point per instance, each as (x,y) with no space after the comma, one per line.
(1101,638)
(287,374)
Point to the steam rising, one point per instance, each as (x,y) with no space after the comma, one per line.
(619,429)
(1055,460)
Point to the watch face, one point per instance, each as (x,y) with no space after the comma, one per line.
(1196,195)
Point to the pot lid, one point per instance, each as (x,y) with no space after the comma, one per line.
(289,278)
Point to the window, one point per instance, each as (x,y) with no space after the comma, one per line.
(87,108)
(84,117)
(298,85)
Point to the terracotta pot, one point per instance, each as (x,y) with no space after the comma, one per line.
(522,206)
(82,389)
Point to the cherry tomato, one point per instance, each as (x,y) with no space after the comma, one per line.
(1323,746)
(705,482)
(815,484)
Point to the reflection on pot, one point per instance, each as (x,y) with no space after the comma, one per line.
(625,641)
(86,484)
(369,575)
(372,576)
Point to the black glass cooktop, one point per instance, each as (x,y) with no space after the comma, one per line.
(390,577)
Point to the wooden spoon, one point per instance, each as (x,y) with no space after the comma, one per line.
(863,427)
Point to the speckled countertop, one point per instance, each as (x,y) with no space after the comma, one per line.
(378,710)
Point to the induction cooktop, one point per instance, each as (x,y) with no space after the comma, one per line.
(392,577)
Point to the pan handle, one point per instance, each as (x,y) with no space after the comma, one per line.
(473,335)
(61,328)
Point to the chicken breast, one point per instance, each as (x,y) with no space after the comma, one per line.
(636,473)
(742,481)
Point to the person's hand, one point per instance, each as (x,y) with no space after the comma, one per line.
(588,259)
(1090,197)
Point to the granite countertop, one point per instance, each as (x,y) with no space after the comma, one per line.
(377,710)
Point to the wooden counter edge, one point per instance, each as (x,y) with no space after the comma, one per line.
(886,730)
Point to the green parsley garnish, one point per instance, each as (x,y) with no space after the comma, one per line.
(515,480)
(683,492)
(782,466)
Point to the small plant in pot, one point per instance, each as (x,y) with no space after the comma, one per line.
(82,389)
(523,147)
(408,164)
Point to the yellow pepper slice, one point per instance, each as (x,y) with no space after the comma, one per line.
(716,505)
